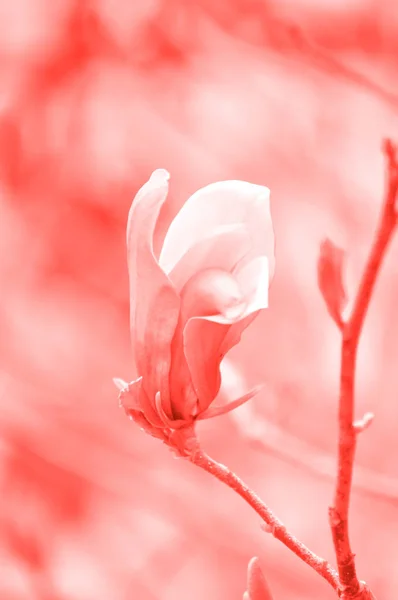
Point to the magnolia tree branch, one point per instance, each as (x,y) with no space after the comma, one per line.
(350,586)
(273,524)
(182,438)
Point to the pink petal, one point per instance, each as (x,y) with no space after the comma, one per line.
(209,292)
(214,293)
(208,338)
(154,303)
(253,278)
(169,423)
(146,426)
(220,204)
(133,398)
(216,411)
(203,340)
(182,393)
(222,249)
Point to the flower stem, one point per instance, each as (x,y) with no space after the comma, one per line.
(274,525)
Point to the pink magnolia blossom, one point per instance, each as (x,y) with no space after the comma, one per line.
(190,304)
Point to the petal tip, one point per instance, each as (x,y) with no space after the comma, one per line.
(160,177)
(120,383)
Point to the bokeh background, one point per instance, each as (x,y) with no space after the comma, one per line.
(296,95)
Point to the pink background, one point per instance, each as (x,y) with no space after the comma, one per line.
(295,95)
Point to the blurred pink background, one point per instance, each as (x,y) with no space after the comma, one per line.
(296,96)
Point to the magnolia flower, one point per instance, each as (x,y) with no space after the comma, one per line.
(190,304)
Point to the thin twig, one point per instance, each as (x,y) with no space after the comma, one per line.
(350,586)
(274,525)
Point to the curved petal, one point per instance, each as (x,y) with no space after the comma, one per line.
(202,348)
(145,425)
(221,203)
(208,338)
(134,399)
(169,423)
(223,249)
(154,303)
(253,278)
(213,292)
(216,411)
(208,292)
